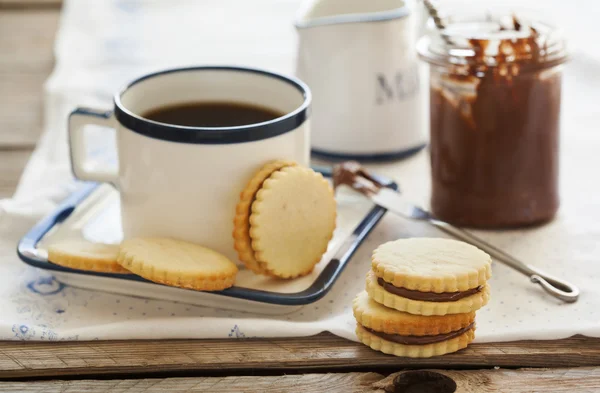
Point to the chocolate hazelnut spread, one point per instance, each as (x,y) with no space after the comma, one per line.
(420,340)
(427,296)
(494,125)
(353,175)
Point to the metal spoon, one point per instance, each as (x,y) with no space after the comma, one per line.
(353,175)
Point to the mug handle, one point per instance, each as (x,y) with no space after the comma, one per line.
(81,165)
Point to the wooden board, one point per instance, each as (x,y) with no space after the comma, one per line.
(12,163)
(21,115)
(321,352)
(482,381)
(30,4)
(26,42)
(445,381)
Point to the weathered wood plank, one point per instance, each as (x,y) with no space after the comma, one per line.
(479,381)
(347,383)
(26,40)
(322,352)
(30,4)
(21,119)
(12,163)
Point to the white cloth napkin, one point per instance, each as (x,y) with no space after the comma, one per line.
(103,44)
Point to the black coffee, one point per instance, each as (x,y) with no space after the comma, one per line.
(212,114)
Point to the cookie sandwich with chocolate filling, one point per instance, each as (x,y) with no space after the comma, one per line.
(403,334)
(429,276)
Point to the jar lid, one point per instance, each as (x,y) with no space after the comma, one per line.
(489,40)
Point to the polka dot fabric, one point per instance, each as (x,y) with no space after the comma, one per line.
(38,307)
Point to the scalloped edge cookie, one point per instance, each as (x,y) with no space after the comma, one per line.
(375,316)
(86,255)
(241,222)
(420,307)
(415,351)
(432,264)
(177,263)
(293,219)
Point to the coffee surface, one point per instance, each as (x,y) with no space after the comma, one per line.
(212,114)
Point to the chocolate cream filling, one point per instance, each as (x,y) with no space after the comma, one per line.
(427,296)
(420,340)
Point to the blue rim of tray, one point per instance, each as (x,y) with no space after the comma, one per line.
(27,251)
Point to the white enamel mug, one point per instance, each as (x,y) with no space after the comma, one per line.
(184,182)
(359,59)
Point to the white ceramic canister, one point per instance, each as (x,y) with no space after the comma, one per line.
(359,59)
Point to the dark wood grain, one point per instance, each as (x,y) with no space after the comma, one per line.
(322,352)
(565,380)
(347,383)
(470,381)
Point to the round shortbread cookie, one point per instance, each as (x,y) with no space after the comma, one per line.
(415,351)
(432,264)
(292,221)
(375,316)
(85,255)
(177,263)
(241,223)
(420,307)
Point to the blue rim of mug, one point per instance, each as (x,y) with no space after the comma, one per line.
(363,17)
(215,135)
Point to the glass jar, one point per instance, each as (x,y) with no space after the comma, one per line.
(495,91)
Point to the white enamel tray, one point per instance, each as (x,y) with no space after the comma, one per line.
(92,212)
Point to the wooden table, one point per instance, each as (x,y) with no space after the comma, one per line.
(319,363)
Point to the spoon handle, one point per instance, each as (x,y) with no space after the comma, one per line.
(560,289)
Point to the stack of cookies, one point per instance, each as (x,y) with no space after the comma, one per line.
(421,297)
